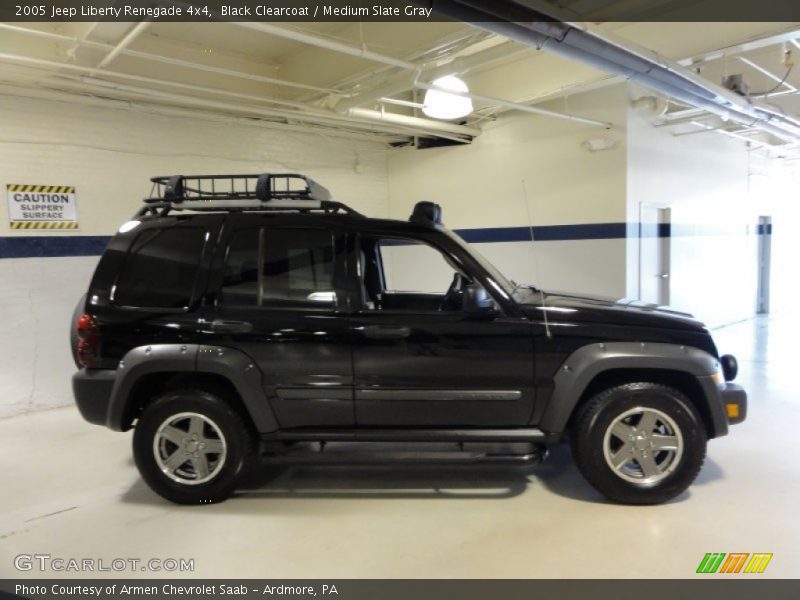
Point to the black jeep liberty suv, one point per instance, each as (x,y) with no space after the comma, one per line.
(244,319)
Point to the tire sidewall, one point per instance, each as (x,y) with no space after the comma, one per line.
(211,406)
(609,406)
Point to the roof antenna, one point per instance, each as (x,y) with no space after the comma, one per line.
(535,260)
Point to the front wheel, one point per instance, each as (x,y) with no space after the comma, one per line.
(191,447)
(639,443)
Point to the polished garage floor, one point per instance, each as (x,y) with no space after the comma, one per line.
(71,490)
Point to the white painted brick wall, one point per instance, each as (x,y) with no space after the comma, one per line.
(109,155)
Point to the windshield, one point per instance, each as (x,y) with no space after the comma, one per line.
(507,285)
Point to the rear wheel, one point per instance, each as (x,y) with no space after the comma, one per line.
(192,447)
(639,443)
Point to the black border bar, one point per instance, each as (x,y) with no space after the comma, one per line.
(711,587)
(395,10)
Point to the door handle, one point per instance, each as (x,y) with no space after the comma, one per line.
(377,332)
(220,326)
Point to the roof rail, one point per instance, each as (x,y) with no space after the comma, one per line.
(256,192)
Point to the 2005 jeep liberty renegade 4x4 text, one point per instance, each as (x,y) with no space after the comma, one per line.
(242,319)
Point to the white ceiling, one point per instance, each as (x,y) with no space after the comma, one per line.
(229,69)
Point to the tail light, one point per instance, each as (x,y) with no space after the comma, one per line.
(88,340)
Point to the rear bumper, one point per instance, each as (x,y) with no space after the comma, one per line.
(734,400)
(92,390)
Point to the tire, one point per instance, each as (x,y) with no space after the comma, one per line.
(639,443)
(219,454)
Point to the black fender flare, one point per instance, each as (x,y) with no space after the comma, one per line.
(232,364)
(587,362)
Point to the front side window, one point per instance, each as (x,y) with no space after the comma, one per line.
(413,266)
(279,267)
(160,269)
(407,274)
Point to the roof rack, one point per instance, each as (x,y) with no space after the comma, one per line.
(257,192)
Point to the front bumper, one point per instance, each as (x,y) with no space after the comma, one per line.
(734,399)
(92,390)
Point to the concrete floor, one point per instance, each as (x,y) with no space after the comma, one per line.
(71,490)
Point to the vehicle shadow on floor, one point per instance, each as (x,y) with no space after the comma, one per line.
(557,474)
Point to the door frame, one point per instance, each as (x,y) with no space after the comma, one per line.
(664,228)
(764,264)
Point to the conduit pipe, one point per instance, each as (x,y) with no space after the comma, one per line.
(405,81)
(530,27)
(124,43)
(516,106)
(357,118)
(164,59)
(328,44)
(408,121)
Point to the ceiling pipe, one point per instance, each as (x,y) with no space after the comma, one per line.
(417,125)
(164,59)
(516,106)
(124,43)
(399,119)
(328,44)
(405,82)
(63,95)
(643,67)
(396,85)
(781,81)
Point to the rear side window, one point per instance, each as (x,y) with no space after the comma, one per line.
(161,268)
(279,267)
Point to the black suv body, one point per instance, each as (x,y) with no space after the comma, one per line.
(228,325)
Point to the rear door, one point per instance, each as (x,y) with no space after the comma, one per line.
(277,297)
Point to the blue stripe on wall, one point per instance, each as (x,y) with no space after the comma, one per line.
(93,245)
(52,245)
(765,229)
(545,233)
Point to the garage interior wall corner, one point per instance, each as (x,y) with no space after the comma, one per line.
(585,206)
(703,180)
(109,154)
(574,198)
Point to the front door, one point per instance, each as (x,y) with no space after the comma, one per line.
(418,359)
(279,301)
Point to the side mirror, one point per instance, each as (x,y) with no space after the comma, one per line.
(477,303)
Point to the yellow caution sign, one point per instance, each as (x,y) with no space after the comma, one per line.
(43,225)
(33,206)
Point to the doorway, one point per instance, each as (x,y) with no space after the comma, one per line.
(764,237)
(654,253)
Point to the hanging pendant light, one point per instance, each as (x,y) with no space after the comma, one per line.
(439,104)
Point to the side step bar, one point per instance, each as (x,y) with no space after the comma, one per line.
(532,435)
(373,453)
(409,458)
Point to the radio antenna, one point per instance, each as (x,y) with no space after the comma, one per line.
(537,272)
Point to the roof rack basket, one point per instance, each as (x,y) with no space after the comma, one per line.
(259,192)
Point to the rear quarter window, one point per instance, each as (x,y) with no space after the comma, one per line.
(160,269)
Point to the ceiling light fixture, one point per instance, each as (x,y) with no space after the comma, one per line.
(440,104)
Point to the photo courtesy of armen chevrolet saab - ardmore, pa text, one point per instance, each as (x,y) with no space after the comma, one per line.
(402,299)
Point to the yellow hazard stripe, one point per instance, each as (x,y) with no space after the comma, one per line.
(44,225)
(45,189)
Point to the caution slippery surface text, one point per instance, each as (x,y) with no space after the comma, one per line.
(41,206)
